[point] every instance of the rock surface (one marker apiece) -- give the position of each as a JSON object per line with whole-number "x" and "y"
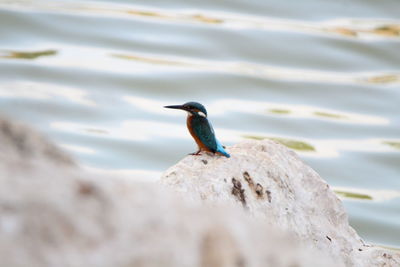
{"x": 20, "y": 145}
{"x": 271, "y": 183}
{"x": 54, "y": 214}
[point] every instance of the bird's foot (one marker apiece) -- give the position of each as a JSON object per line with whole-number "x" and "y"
{"x": 195, "y": 153}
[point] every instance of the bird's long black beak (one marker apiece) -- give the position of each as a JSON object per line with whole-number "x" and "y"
{"x": 176, "y": 107}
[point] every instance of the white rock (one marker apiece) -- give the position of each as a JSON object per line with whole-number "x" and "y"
{"x": 273, "y": 184}
{"x": 54, "y": 214}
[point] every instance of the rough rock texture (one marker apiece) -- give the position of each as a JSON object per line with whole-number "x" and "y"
{"x": 54, "y": 214}
{"x": 273, "y": 184}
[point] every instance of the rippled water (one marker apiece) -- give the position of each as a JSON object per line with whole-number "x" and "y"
{"x": 322, "y": 78}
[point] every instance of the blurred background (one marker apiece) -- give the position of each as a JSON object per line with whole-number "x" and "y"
{"x": 321, "y": 77}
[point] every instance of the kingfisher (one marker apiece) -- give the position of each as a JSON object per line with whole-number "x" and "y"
{"x": 200, "y": 128}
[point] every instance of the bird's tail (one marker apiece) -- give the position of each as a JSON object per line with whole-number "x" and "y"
{"x": 221, "y": 150}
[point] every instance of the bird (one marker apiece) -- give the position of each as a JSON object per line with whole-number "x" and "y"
{"x": 200, "y": 128}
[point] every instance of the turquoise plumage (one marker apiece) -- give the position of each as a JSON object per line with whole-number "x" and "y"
{"x": 204, "y": 131}
{"x": 221, "y": 150}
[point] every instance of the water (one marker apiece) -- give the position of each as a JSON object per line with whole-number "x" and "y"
{"x": 321, "y": 77}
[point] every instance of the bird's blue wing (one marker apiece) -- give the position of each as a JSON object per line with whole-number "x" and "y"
{"x": 204, "y": 131}
{"x": 221, "y": 150}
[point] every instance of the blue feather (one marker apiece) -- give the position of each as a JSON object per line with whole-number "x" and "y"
{"x": 204, "y": 131}
{"x": 221, "y": 150}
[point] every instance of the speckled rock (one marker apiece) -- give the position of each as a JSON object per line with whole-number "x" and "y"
{"x": 55, "y": 214}
{"x": 271, "y": 183}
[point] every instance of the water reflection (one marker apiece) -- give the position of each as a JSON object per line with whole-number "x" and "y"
{"x": 226, "y": 106}
{"x": 26, "y": 54}
{"x": 148, "y": 105}
{"x": 348, "y": 28}
{"x": 142, "y": 130}
{"x": 156, "y": 60}
{"x": 365, "y": 29}
{"x": 329, "y": 115}
{"x": 135, "y": 130}
{"x": 263, "y": 71}
{"x": 352, "y": 195}
{"x": 290, "y": 143}
{"x": 388, "y": 30}
{"x": 37, "y": 90}
{"x": 393, "y": 144}
{"x": 325, "y": 147}
{"x": 100, "y": 59}
{"x": 383, "y": 79}
{"x": 279, "y": 111}
{"x": 78, "y": 149}
{"x": 366, "y": 194}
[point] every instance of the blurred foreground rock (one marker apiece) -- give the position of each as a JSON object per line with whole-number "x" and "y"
{"x": 54, "y": 214}
{"x": 272, "y": 184}
{"x": 19, "y": 145}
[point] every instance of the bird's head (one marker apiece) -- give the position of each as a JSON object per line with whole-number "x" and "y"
{"x": 193, "y": 108}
